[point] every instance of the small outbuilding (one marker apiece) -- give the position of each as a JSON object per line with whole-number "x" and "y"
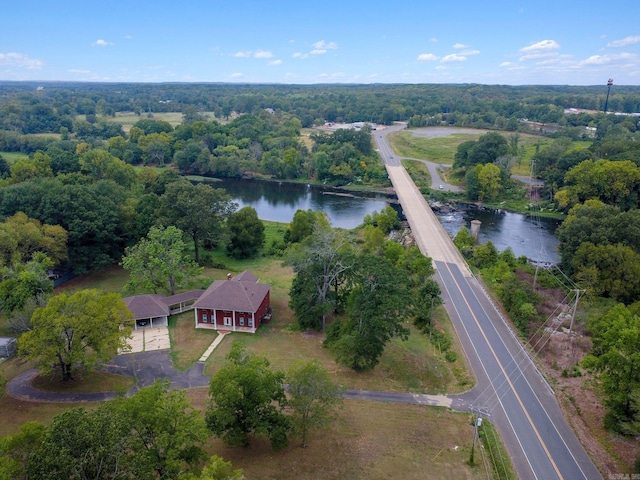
{"x": 8, "y": 347}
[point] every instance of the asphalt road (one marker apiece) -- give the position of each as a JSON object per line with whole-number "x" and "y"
{"x": 509, "y": 387}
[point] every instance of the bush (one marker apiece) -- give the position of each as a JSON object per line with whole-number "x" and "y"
{"x": 451, "y": 356}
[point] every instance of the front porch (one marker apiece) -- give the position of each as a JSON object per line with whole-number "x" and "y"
{"x": 226, "y": 329}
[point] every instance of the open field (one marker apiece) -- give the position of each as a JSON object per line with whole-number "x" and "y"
{"x": 418, "y": 143}
{"x": 369, "y": 440}
{"x": 12, "y": 157}
{"x": 128, "y": 119}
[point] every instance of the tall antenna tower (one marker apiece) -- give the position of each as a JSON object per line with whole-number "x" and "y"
{"x": 609, "y": 85}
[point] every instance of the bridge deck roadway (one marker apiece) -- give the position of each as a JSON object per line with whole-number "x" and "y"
{"x": 509, "y": 387}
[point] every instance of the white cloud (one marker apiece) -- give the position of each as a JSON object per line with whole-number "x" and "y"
{"x": 466, "y": 53}
{"x": 262, "y": 54}
{"x": 299, "y": 55}
{"x": 427, "y": 57}
{"x": 322, "y": 45}
{"x": 458, "y": 46}
{"x": 236, "y": 75}
{"x": 606, "y": 59}
{"x": 101, "y": 43}
{"x": 542, "y": 46}
{"x": 81, "y": 72}
{"x": 275, "y": 62}
{"x": 433, "y": 40}
{"x": 318, "y": 51}
{"x": 245, "y": 54}
{"x": 20, "y": 60}
{"x": 625, "y": 42}
{"x": 453, "y": 57}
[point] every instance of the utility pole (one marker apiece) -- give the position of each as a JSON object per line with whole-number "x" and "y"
{"x": 575, "y": 307}
{"x": 477, "y": 422}
{"x": 606, "y": 103}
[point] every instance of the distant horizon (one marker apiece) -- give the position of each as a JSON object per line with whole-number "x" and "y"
{"x": 526, "y": 42}
{"x": 346, "y": 84}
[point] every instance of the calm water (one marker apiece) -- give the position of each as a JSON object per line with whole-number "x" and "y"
{"x": 279, "y": 201}
{"x": 532, "y": 238}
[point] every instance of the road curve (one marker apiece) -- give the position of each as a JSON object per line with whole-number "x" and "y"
{"x": 510, "y": 388}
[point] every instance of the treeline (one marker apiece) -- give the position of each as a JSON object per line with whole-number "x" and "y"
{"x": 265, "y": 144}
{"x": 46, "y": 107}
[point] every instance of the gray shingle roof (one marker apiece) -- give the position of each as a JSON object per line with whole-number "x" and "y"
{"x": 147, "y": 306}
{"x": 234, "y": 295}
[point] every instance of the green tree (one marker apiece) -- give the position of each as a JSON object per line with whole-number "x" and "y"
{"x": 26, "y": 168}
{"x": 198, "y": 210}
{"x": 613, "y": 182}
{"x": 617, "y": 269}
{"x": 168, "y": 433}
{"x": 302, "y": 225}
{"x": 490, "y": 179}
{"x": 247, "y": 397}
{"x": 158, "y": 261}
{"x": 85, "y": 444}
{"x": 376, "y": 313}
{"x": 386, "y": 220}
{"x": 615, "y": 355}
{"x": 312, "y": 398}
{"x": 156, "y": 148}
{"x": 216, "y": 469}
{"x": 16, "y": 449}
{"x": 21, "y": 283}
{"x": 320, "y": 261}
{"x": 96, "y": 162}
{"x": 21, "y": 237}
{"x": 246, "y": 233}
{"x": 76, "y": 330}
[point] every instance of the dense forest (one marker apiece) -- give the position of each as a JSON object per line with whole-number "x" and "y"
{"x": 46, "y": 107}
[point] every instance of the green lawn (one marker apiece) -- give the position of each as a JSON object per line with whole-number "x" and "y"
{"x": 128, "y": 119}
{"x": 438, "y": 150}
{"x": 12, "y": 157}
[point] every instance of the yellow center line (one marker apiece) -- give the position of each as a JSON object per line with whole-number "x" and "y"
{"x": 544, "y": 446}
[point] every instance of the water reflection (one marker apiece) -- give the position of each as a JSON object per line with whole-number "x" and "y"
{"x": 279, "y": 201}
{"x": 533, "y": 238}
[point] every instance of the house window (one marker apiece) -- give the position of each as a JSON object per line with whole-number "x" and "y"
{"x": 227, "y": 321}
{"x": 241, "y": 321}
{"x": 251, "y": 322}
{"x": 205, "y": 318}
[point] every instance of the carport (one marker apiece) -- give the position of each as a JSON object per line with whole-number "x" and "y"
{"x": 148, "y": 310}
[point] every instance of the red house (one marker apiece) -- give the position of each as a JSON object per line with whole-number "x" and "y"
{"x": 238, "y": 304}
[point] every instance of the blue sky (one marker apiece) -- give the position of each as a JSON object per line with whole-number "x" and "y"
{"x": 349, "y": 41}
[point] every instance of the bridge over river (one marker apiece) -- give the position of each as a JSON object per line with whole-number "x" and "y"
{"x": 509, "y": 386}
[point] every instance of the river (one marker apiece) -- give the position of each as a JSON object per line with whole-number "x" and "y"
{"x": 278, "y": 201}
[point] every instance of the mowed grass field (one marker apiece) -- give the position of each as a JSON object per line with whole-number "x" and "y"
{"x": 128, "y": 119}
{"x": 368, "y": 440}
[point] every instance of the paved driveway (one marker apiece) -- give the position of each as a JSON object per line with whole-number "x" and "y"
{"x": 149, "y": 339}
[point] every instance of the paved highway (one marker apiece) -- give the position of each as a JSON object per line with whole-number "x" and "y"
{"x": 509, "y": 387}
